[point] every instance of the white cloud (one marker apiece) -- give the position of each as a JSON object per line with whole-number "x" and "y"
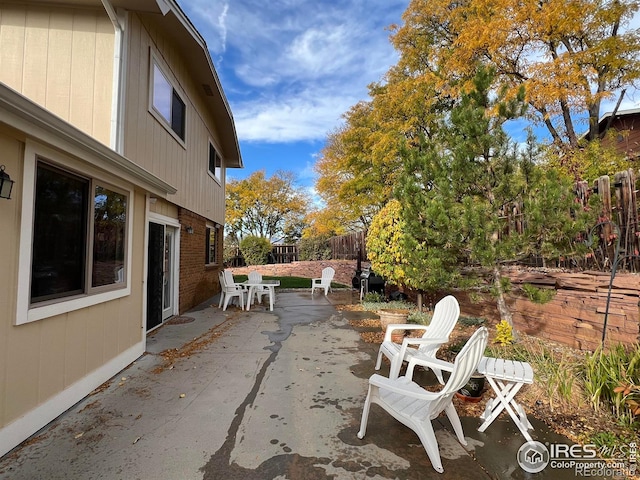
{"x": 288, "y": 120}
{"x": 223, "y": 27}
{"x": 291, "y": 68}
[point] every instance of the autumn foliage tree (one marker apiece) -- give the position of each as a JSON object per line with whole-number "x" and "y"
{"x": 265, "y": 207}
{"x": 569, "y": 55}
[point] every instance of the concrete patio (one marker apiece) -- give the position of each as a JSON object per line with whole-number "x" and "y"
{"x": 256, "y": 395}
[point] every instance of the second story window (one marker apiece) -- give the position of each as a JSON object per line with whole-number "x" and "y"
{"x": 215, "y": 163}
{"x": 168, "y": 103}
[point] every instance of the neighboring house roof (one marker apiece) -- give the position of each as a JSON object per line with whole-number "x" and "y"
{"x": 170, "y": 18}
{"x": 20, "y": 113}
{"x": 627, "y": 121}
{"x": 604, "y": 119}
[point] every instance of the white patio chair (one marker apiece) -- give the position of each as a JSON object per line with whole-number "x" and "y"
{"x": 221, "y": 280}
{"x": 258, "y": 291}
{"x": 445, "y": 316}
{"x": 325, "y": 281}
{"x": 415, "y": 407}
{"x": 231, "y": 289}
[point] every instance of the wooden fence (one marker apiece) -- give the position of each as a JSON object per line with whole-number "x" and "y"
{"x": 348, "y": 247}
{"x": 279, "y": 254}
{"x": 618, "y": 222}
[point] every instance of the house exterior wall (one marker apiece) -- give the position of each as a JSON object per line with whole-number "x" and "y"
{"x": 62, "y": 59}
{"x": 42, "y": 361}
{"x": 148, "y": 141}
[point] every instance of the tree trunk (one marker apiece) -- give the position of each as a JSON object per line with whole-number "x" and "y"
{"x": 503, "y": 309}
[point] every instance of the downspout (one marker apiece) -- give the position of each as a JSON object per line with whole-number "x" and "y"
{"x": 116, "y": 141}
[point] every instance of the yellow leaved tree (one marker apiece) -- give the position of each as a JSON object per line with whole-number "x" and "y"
{"x": 265, "y": 207}
{"x": 569, "y": 55}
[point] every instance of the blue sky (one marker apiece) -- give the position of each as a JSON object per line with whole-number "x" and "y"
{"x": 291, "y": 68}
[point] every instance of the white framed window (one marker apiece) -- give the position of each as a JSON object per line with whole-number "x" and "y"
{"x": 215, "y": 163}
{"x": 213, "y": 242}
{"x": 77, "y": 237}
{"x": 167, "y": 103}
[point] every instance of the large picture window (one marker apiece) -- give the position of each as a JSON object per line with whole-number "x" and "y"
{"x": 168, "y": 103}
{"x": 71, "y": 245}
{"x": 59, "y": 234}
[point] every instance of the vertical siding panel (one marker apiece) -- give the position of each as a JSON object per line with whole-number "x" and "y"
{"x": 83, "y": 60}
{"x": 75, "y": 347}
{"x": 58, "y": 76}
{"x": 95, "y": 330}
{"x": 35, "y": 56}
{"x": 50, "y": 359}
{"x": 133, "y": 115}
{"x": 22, "y": 370}
{"x": 103, "y": 81}
{"x": 12, "y": 38}
{"x": 12, "y": 156}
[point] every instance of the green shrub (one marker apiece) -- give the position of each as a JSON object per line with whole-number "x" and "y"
{"x": 314, "y": 248}
{"x": 255, "y": 250}
{"x": 471, "y": 321}
{"x": 610, "y": 377}
{"x": 229, "y": 253}
{"x": 373, "y": 297}
{"x": 538, "y": 295}
{"x": 420, "y": 318}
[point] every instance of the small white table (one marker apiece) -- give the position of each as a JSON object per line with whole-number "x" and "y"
{"x": 506, "y": 377}
{"x": 269, "y": 284}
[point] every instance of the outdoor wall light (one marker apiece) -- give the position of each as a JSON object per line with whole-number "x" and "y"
{"x": 6, "y": 184}
{"x": 189, "y": 229}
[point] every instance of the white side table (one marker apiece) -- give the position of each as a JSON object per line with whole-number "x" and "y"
{"x": 506, "y": 377}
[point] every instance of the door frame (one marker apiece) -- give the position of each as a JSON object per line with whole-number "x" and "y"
{"x": 171, "y": 310}
{"x": 173, "y": 223}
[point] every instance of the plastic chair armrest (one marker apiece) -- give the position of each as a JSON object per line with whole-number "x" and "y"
{"x": 403, "y": 386}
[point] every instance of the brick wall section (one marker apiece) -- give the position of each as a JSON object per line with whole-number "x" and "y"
{"x": 198, "y": 282}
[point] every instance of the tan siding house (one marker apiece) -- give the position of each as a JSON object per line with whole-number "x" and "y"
{"x": 117, "y": 133}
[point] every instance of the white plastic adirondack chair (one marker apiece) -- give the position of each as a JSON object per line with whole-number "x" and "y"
{"x": 415, "y": 407}
{"x": 325, "y": 281}
{"x": 445, "y": 316}
{"x": 221, "y": 280}
{"x": 231, "y": 289}
{"x": 258, "y": 291}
